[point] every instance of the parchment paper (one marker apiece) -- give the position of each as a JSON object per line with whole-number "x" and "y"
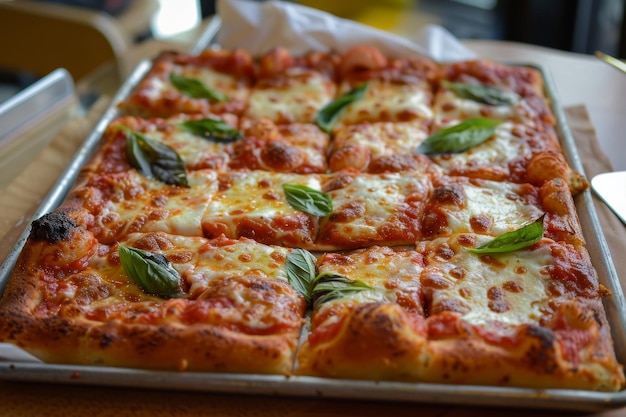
{"x": 259, "y": 26}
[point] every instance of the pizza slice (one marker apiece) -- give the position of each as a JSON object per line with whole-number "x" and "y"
{"x": 501, "y": 151}
{"x": 152, "y": 300}
{"x": 201, "y": 141}
{"x": 214, "y": 81}
{"x": 373, "y": 209}
{"x": 530, "y": 317}
{"x": 370, "y": 325}
{"x": 460, "y": 205}
{"x": 256, "y": 205}
{"x": 527, "y": 317}
{"x": 381, "y": 89}
{"x": 291, "y": 89}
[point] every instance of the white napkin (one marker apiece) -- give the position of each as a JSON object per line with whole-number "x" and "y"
{"x": 259, "y": 26}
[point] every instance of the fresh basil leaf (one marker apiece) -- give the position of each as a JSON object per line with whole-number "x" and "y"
{"x": 460, "y": 137}
{"x": 308, "y": 200}
{"x": 330, "y": 286}
{"x": 212, "y": 129}
{"x": 151, "y": 271}
{"x": 482, "y": 93}
{"x": 518, "y": 239}
{"x": 155, "y": 160}
{"x": 329, "y": 114}
{"x": 195, "y": 88}
{"x": 300, "y": 266}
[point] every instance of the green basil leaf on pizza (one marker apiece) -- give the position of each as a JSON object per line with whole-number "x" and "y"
{"x": 212, "y": 129}
{"x": 458, "y": 138}
{"x": 195, "y": 88}
{"x": 155, "y": 160}
{"x": 308, "y": 200}
{"x": 300, "y": 265}
{"x": 330, "y": 114}
{"x": 152, "y": 272}
{"x": 481, "y": 93}
{"x": 517, "y": 239}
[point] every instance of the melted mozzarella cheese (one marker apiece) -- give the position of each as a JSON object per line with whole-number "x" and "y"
{"x": 224, "y": 83}
{"x": 388, "y": 102}
{"x": 257, "y": 194}
{"x": 494, "y": 201}
{"x": 299, "y": 101}
{"x": 142, "y": 204}
{"x": 192, "y": 149}
{"x": 386, "y": 270}
{"x": 186, "y": 209}
{"x": 518, "y": 276}
{"x": 383, "y": 139}
{"x": 238, "y": 259}
{"x": 156, "y": 88}
{"x": 381, "y": 196}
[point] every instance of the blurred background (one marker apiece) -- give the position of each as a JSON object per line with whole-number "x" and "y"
{"x": 81, "y": 35}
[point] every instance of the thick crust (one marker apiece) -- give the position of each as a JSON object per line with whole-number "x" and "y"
{"x": 165, "y": 347}
{"x": 382, "y": 342}
{"x": 369, "y": 341}
{"x": 532, "y": 356}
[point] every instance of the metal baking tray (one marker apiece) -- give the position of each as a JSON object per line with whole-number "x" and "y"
{"x": 18, "y": 366}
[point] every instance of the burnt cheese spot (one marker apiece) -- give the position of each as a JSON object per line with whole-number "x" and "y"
{"x": 458, "y": 273}
{"x": 513, "y": 286}
{"x": 449, "y": 194}
{"x": 445, "y": 252}
{"x": 450, "y": 304}
{"x": 52, "y": 227}
{"x": 481, "y": 223}
{"x": 434, "y": 221}
{"x": 497, "y": 301}
{"x": 348, "y": 212}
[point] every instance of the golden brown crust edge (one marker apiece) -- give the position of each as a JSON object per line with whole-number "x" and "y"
{"x": 164, "y": 347}
{"x": 359, "y": 351}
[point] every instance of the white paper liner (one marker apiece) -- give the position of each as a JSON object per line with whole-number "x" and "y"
{"x": 260, "y": 26}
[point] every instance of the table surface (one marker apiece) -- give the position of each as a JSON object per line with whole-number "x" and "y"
{"x": 579, "y": 79}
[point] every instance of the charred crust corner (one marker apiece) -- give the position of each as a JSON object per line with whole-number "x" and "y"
{"x": 546, "y": 337}
{"x": 52, "y": 227}
{"x": 541, "y": 356}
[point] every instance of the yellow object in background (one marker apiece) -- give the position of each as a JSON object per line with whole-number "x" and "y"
{"x": 381, "y": 14}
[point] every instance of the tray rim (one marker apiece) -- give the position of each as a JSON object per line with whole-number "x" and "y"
{"x": 554, "y": 399}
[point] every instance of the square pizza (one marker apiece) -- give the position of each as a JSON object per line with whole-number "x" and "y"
{"x": 346, "y": 215}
